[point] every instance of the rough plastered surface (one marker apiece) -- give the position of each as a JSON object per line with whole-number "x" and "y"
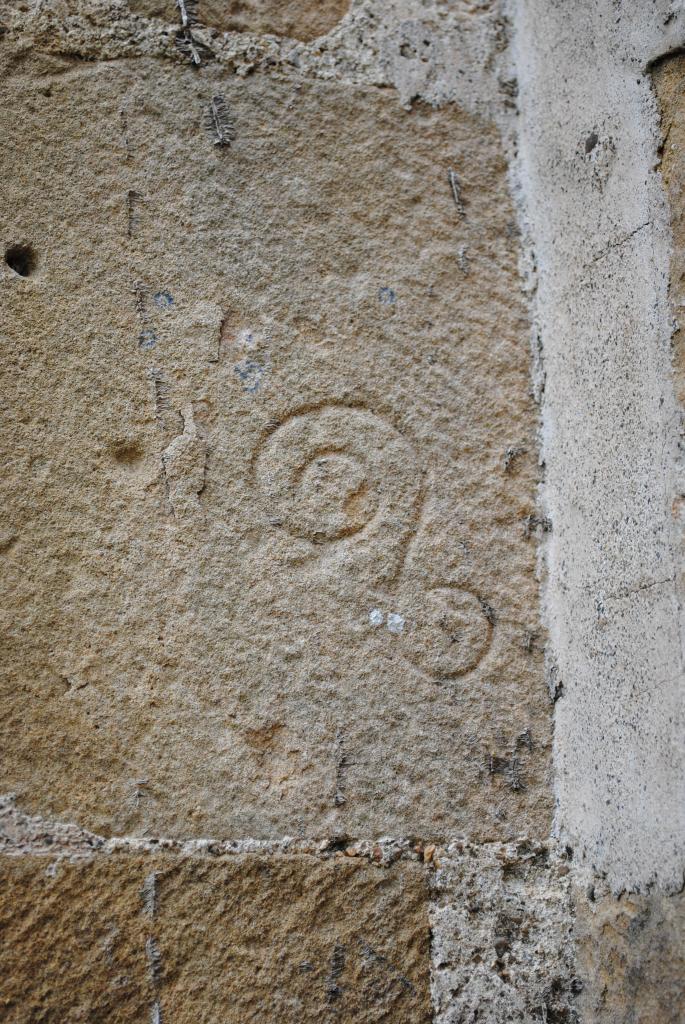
{"x": 600, "y": 227}
{"x": 502, "y": 936}
{"x": 270, "y": 459}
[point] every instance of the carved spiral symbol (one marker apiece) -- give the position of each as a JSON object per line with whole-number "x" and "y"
{"x": 447, "y": 632}
{"x": 338, "y": 472}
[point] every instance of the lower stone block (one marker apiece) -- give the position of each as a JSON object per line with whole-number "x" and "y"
{"x": 72, "y": 942}
{"x": 168, "y": 938}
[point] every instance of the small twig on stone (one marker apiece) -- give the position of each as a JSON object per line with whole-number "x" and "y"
{"x": 512, "y": 453}
{"x": 218, "y": 122}
{"x": 188, "y": 12}
{"x": 186, "y": 44}
{"x": 455, "y": 185}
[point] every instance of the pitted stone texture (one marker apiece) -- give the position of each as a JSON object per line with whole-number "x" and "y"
{"x": 502, "y": 936}
{"x": 299, "y": 19}
{"x": 279, "y": 940}
{"x": 73, "y": 942}
{"x": 631, "y": 958}
{"x": 255, "y": 394}
{"x": 300, "y": 940}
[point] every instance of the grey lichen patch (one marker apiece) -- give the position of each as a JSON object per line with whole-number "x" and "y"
{"x": 501, "y": 919}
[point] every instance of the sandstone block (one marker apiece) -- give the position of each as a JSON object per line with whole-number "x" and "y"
{"x": 279, "y": 940}
{"x": 270, "y": 460}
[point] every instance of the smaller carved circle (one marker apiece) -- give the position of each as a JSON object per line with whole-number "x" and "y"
{"x": 446, "y": 633}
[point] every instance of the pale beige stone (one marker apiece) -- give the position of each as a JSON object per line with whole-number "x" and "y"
{"x": 270, "y": 461}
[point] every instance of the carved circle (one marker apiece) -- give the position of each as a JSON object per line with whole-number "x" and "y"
{"x": 337, "y": 472}
{"x": 446, "y": 631}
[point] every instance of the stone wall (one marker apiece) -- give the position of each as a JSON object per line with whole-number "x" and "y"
{"x": 342, "y": 546}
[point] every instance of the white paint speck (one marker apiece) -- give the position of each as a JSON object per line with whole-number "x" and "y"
{"x": 248, "y": 338}
{"x": 395, "y": 622}
{"x": 376, "y": 617}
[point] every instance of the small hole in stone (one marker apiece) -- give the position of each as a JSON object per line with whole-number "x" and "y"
{"x": 20, "y": 259}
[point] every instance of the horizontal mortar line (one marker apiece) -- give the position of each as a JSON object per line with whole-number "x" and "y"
{"x": 260, "y": 49}
{"x": 35, "y": 837}
{"x": 56, "y": 843}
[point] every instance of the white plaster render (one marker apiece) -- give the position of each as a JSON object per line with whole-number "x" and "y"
{"x": 599, "y": 229}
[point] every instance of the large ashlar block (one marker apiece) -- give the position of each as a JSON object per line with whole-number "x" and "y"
{"x": 269, "y": 459}
{"x": 279, "y": 940}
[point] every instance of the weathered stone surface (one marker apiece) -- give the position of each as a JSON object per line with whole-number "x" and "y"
{"x": 268, "y": 939}
{"x": 503, "y": 936}
{"x": 270, "y": 460}
{"x": 73, "y": 942}
{"x": 301, "y": 19}
{"x": 631, "y": 956}
{"x": 307, "y": 941}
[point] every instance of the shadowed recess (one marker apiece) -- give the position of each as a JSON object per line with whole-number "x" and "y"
{"x": 21, "y": 259}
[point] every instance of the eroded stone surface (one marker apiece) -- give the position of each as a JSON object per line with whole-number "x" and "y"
{"x": 280, "y": 939}
{"x": 631, "y": 956}
{"x": 295, "y": 18}
{"x": 270, "y": 461}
